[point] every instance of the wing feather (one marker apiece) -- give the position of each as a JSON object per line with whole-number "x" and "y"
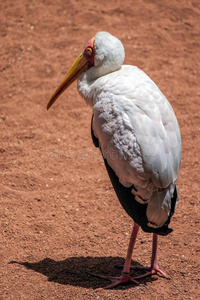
{"x": 139, "y": 136}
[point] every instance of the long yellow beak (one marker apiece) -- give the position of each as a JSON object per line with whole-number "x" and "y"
{"x": 79, "y": 66}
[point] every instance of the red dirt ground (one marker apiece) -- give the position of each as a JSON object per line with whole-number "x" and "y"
{"x": 59, "y": 215}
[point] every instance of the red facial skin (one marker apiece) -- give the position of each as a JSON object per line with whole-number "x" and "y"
{"x": 89, "y": 53}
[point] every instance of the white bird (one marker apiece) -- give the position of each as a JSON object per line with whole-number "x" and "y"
{"x": 137, "y": 132}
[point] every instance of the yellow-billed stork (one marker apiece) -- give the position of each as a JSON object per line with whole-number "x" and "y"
{"x": 137, "y": 132}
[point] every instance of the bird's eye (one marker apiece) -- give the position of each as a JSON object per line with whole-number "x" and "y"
{"x": 89, "y": 51}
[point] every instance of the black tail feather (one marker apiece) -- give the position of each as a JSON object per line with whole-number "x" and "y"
{"x": 134, "y": 209}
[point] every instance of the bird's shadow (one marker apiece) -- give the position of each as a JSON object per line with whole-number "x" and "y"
{"x": 76, "y": 270}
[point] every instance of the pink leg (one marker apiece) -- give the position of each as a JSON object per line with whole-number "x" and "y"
{"x": 125, "y": 276}
{"x": 153, "y": 269}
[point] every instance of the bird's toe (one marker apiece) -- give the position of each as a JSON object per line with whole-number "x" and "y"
{"x": 117, "y": 281}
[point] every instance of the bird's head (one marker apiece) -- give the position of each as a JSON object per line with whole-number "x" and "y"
{"x": 103, "y": 54}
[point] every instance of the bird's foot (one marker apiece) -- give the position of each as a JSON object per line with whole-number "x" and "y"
{"x": 116, "y": 281}
{"x": 148, "y": 271}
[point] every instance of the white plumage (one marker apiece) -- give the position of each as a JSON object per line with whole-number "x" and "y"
{"x": 136, "y": 126}
{"x": 137, "y": 131}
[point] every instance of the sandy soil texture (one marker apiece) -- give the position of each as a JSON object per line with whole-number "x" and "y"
{"x": 59, "y": 215}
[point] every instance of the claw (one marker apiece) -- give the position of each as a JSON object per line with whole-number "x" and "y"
{"x": 116, "y": 281}
{"x": 148, "y": 271}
